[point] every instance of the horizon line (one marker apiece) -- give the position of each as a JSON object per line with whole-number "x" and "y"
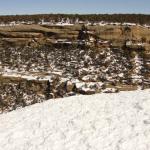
{"x": 22, "y": 14}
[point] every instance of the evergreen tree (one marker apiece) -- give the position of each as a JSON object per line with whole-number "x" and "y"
{"x": 83, "y": 34}
{"x": 48, "y": 89}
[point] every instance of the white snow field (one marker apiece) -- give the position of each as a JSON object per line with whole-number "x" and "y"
{"x": 119, "y": 121}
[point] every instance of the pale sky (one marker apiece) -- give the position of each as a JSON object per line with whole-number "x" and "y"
{"x": 9, "y": 7}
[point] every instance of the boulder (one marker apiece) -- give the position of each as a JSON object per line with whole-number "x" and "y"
{"x": 89, "y": 78}
{"x": 69, "y": 86}
{"x": 79, "y": 86}
{"x": 110, "y": 90}
{"x": 87, "y": 91}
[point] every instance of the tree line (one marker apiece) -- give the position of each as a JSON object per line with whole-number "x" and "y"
{"x": 132, "y": 18}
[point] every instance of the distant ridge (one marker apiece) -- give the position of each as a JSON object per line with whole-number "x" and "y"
{"x": 133, "y": 18}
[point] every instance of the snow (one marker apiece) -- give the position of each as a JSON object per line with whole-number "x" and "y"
{"x": 109, "y": 90}
{"x": 64, "y": 24}
{"x": 98, "y": 122}
{"x": 27, "y": 76}
{"x": 137, "y": 75}
{"x": 30, "y": 76}
{"x": 80, "y": 85}
{"x": 128, "y": 24}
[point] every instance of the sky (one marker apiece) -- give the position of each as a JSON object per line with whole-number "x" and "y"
{"x": 13, "y": 7}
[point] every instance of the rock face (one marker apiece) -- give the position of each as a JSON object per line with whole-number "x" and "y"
{"x": 35, "y": 35}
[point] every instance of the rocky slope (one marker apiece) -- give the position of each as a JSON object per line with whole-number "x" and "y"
{"x": 40, "y": 69}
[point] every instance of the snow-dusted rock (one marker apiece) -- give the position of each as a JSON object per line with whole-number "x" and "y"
{"x": 87, "y": 91}
{"x": 110, "y": 90}
{"x": 69, "y": 86}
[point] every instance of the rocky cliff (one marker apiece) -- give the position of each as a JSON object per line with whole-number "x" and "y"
{"x": 38, "y": 69}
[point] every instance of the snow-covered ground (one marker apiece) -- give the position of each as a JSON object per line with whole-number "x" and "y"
{"x": 119, "y": 121}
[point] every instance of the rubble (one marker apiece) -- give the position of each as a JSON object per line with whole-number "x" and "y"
{"x": 48, "y": 72}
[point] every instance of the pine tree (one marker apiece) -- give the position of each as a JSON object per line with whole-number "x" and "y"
{"x": 48, "y": 89}
{"x": 83, "y": 34}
